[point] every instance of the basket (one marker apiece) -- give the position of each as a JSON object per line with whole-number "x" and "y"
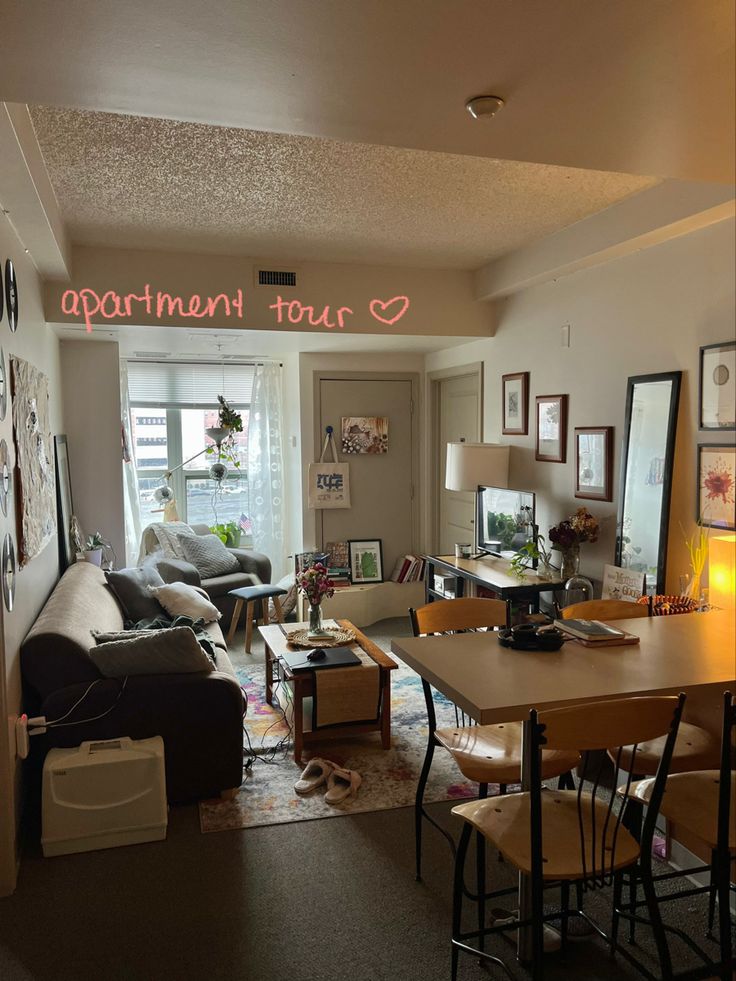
{"x": 665, "y": 606}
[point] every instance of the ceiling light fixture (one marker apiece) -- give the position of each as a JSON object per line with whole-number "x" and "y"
{"x": 484, "y": 105}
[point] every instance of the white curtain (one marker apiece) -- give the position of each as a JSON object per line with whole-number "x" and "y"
{"x": 131, "y": 501}
{"x": 266, "y": 467}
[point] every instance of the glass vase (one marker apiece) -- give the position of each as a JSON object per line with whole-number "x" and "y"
{"x": 315, "y": 619}
{"x": 570, "y": 562}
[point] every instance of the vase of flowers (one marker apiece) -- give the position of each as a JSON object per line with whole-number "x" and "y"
{"x": 567, "y": 537}
{"x": 315, "y": 583}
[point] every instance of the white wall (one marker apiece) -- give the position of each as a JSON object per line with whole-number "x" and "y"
{"x": 36, "y": 343}
{"x": 91, "y": 394}
{"x": 647, "y": 312}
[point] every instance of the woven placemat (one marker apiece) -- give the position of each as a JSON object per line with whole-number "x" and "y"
{"x": 336, "y": 637}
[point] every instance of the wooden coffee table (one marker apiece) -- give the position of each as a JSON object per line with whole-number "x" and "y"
{"x": 276, "y": 645}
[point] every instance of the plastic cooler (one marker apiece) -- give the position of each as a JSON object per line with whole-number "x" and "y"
{"x": 103, "y": 794}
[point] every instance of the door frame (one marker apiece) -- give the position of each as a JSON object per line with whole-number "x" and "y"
{"x": 434, "y": 379}
{"x": 338, "y": 375}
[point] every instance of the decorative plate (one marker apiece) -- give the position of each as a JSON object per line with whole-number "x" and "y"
{"x": 8, "y": 572}
{"x": 3, "y": 381}
{"x": 11, "y": 295}
{"x": 336, "y": 637}
{"x": 4, "y": 476}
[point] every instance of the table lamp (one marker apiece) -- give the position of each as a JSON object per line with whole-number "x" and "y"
{"x": 470, "y": 465}
{"x": 722, "y": 571}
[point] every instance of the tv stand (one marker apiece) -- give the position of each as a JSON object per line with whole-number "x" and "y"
{"x": 489, "y": 573}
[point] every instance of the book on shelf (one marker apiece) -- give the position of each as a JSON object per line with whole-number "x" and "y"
{"x": 408, "y": 568}
{"x": 590, "y": 630}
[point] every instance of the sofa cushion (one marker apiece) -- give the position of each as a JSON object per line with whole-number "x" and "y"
{"x": 55, "y": 653}
{"x": 208, "y": 555}
{"x": 130, "y": 587}
{"x": 174, "y": 651}
{"x": 180, "y": 599}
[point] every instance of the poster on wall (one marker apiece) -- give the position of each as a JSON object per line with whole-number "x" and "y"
{"x": 35, "y": 482}
{"x": 364, "y": 434}
{"x": 717, "y": 486}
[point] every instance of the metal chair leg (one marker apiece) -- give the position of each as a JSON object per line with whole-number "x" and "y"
{"x": 618, "y": 889}
{"x": 712, "y": 893}
{"x": 724, "y": 915}
{"x": 632, "y": 906}
{"x": 457, "y": 894}
{"x": 481, "y": 874}
{"x": 419, "y": 802}
{"x": 565, "y": 908}
{"x": 660, "y": 938}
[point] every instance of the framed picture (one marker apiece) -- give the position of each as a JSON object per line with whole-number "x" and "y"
{"x": 64, "y": 506}
{"x": 551, "y": 445}
{"x": 594, "y": 462}
{"x": 366, "y": 561}
{"x": 515, "y": 404}
{"x": 364, "y": 434}
{"x": 716, "y": 486}
{"x": 718, "y": 386}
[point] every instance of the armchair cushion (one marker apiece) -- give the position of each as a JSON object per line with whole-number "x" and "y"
{"x": 177, "y": 570}
{"x": 209, "y": 556}
{"x": 130, "y": 587}
{"x": 136, "y": 652}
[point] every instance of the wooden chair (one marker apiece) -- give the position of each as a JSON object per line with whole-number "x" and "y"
{"x": 608, "y": 609}
{"x": 695, "y": 749}
{"x": 561, "y": 837}
{"x": 484, "y": 754}
{"x": 704, "y": 804}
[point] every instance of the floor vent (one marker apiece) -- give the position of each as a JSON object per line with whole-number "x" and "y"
{"x": 276, "y": 277}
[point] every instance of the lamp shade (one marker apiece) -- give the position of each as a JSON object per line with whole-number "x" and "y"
{"x": 471, "y": 464}
{"x": 722, "y": 571}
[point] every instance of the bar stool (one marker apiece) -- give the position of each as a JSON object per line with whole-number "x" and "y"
{"x": 248, "y": 596}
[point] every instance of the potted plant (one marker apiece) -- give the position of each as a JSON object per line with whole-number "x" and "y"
{"x": 93, "y": 548}
{"x": 568, "y": 535}
{"x": 229, "y": 534}
{"x": 230, "y": 422}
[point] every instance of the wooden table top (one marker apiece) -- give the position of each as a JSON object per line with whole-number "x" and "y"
{"x": 496, "y": 573}
{"x": 497, "y": 684}
{"x": 276, "y": 640}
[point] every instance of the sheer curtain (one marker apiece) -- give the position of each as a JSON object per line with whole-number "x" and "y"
{"x": 131, "y": 501}
{"x": 266, "y": 467}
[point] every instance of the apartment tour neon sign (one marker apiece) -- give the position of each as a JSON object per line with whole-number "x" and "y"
{"x": 88, "y": 304}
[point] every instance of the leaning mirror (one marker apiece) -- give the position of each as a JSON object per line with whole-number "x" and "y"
{"x": 646, "y": 475}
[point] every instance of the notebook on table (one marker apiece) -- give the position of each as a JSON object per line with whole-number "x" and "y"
{"x": 335, "y": 657}
{"x": 595, "y": 633}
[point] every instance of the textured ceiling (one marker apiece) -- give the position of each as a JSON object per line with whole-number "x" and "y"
{"x": 151, "y": 183}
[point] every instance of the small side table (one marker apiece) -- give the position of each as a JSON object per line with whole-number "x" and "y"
{"x": 248, "y": 596}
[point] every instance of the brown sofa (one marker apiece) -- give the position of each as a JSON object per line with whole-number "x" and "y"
{"x": 199, "y": 716}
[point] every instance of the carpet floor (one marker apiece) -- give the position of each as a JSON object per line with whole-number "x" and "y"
{"x": 389, "y": 777}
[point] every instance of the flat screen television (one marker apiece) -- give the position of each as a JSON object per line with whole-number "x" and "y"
{"x": 505, "y": 521}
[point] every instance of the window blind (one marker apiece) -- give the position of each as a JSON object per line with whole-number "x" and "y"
{"x": 169, "y": 385}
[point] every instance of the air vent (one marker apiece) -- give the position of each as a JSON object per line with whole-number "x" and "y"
{"x": 276, "y": 277}
{"x": 150, "y": 355}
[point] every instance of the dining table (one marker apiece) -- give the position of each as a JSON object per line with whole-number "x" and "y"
{"x": 693, "y": 653}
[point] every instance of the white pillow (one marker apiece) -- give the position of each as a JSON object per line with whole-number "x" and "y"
{"x": 181, "y": 599}
{"x": 168, "y": 534}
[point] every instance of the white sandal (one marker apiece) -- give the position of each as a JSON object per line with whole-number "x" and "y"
{"x": 342, "y": 784}
{"x": 314, "y": 775}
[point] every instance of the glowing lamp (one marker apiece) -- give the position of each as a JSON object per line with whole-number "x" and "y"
{"x": 722, "y": 571}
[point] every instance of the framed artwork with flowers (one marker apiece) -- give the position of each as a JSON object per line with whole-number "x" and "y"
{"x": 717, "y": 486}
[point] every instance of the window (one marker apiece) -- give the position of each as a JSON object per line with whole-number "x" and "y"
{"x": 172, "y": 406}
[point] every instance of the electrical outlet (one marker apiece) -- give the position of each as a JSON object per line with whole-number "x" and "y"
{"x": 565, "y": 335}
{"x": 21, "y": 737}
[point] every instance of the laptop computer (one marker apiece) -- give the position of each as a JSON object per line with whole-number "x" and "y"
{"x": 335, "y": 657}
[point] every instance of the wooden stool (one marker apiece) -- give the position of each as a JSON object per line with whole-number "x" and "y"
{"x": 248, "y": 596}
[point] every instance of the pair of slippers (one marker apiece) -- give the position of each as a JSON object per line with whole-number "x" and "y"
{"x": 341, "y": 783}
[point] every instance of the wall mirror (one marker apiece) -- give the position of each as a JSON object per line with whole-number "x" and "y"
{"x": 646, "y": 475}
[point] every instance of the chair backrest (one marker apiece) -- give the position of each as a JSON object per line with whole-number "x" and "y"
{"x": 465, "y": 613}
{"x": 604, "y": 610}
{"x": 619, "y": 723}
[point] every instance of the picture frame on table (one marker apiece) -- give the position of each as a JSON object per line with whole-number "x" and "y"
{"x": 515, "y": 394}
{"x": 551, "y": 439}
{"x": 366, "y": 560}
{"x": 716, "y": 490}
{"x": 594, "y": 463}
{"x": 717, "y": 386}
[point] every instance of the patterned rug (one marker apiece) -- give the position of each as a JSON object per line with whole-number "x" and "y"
{"x": 389, "y": 776}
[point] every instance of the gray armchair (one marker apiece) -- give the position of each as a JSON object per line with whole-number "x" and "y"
{"x": 255, "y": 568}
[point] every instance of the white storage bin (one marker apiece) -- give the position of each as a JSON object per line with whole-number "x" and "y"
{"x": 103, "y": 794}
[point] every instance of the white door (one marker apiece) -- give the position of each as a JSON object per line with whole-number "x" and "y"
{"x": 459, "y": 403}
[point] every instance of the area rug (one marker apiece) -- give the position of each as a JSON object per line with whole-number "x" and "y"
{"x": 389, "y": 776}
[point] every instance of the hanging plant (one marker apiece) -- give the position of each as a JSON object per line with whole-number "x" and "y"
{"x": 228, "y": 417}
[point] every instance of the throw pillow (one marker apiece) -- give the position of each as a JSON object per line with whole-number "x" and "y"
{"x": 209, "y": 556}
{"x": 174, "y": 651}
{"x": 168, "y": 534}
{"x": 130, "y": 588}
{"x": 181, "y": 599}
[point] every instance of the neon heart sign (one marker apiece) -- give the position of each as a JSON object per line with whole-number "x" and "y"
{"x": 375, "y": 305}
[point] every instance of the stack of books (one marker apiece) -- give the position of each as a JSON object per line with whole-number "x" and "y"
{"x": 409, "y": 568}
{"x": 595, "y": 633}
{"x": 338, "y": 563}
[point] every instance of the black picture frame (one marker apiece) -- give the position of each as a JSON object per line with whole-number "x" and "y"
{"x": 64, "y": 502}
{"x": 706, "y": 387}
{"x": 365, "y": 544}
{"x": 728, "y": 449}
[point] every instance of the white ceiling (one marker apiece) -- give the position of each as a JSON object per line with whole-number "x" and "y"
{"x": 636, "y": 86}
{"x": 158, "y": 184}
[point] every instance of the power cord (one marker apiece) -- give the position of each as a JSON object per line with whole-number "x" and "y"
{"x": 39, "y": 725}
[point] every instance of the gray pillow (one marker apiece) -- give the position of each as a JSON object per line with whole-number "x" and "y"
{"x": 130, "y": 587}
{"x": 208, "y": 555}
{"x": 173, "y": 651}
